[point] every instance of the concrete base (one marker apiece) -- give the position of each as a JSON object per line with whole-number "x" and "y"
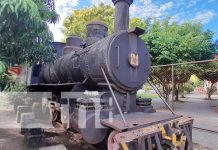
{"x": 20, "y": 110}
{"x": 57, "y": 147}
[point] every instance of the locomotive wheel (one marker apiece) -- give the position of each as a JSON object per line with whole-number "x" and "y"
{"x": 90, "y": 133}
{"x": 111, "y": 143}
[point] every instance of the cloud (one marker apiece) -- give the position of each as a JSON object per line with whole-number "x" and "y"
{"x": 96, "y": 2}
{"x": 192, "y": 3}
{"x": 63, "y": 8}
{"x": 149, "y": 9}
{"x": 204, "y": 16}
{"x": 142, "y": 8}
{"x": 60, "y": 3}
{"x": 179, "y": 18}
{"x": 179, "y": 10}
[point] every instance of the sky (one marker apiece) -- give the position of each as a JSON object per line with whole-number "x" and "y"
{"x": 204, "y": 11}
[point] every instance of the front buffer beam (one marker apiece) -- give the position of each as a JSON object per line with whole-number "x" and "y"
{"x": 162, "y": 136}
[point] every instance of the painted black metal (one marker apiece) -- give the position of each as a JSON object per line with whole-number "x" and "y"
{"x": 121, "y": 14}
{"x": 88, "y": 107}
{"x": 125, "y": 59}
{"x": 75, "y": 66}
{"x": 74, "y": 41}
{"x": 157, "y": 140}
{"x": 119, "y": 66}
{"x": 96, "y": 30}
{"x": 58, "y": 46}
{"x": 73, "y": 44}
{"x": 109, "y": 52}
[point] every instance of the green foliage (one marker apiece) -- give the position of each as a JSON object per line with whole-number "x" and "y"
{"x": 147, "y": 88}
{"x": 18, "y": 98}
{"x": 216, "y": 46}
{"x": 75, "y": 24}
{"x": 2, "y": 68}
{"x": 173, "y": 43}
{"x": 46, "y": 10}
{"x": 139, "y": 22}
{"x": 146, "y": 96}
{"x": 207, "y": 72}
{"x": 2, "y": 78}
{"x": 188, "y": 88}
{"x": 24, "y": 33}
{"x": 15, "y": 87}
{"x": 3, "y": 82}
{"x": 168, "y": 42}
{"x": 198, "y": 84}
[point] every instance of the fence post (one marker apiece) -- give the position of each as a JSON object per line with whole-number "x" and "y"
{"x": 172, "y": 95}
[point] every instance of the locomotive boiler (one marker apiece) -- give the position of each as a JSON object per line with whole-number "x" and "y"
{"x": 116, "y": 66}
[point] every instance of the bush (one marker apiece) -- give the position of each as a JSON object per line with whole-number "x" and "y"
{"x": 17, "y": 95}
{"x": 188, "y": 88}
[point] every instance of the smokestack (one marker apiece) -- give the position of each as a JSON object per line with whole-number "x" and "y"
{"x": 121, "y": 21}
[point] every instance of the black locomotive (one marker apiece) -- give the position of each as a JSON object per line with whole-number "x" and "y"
{"x": 116, "y": 66}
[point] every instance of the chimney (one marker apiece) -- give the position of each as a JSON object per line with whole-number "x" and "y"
{"x": 96, "y": 30}
{"x": 121, "y": 21}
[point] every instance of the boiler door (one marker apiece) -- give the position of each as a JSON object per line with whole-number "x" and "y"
{"x": 128, "y": 61}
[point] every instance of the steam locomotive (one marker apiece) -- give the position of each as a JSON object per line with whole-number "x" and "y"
{"x": 116, "y": 66}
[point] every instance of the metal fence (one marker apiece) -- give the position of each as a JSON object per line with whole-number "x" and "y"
{"x": 172, "y": 81}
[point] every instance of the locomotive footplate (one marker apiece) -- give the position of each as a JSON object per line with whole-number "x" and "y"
{"x": 138, "y": 120}
{"x": 159, "y": 131}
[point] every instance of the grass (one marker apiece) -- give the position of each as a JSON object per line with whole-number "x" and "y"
{"x": 144, "y": 95}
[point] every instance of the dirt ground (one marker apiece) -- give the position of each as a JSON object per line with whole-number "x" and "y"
{"x": 11, "y": 139}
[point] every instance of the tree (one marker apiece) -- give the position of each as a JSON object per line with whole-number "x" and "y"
{"x": 169, "y": 42}
{"x": 2, "y": 70}
{"x": 75, "y": 24}
{"x": 163, "y": 76}
{"x": 24, "y": 33}
{"x": 216, "y": 46}
{"x": 208, "y": 72}
{"x": 175, "y": 43}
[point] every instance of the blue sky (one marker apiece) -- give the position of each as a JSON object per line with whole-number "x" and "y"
{"x": 204, "y": 11}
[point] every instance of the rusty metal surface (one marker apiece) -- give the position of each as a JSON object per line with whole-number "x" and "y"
{"x": 149, "y": 131}
{"x": 136, "y": 134}
{"x": 138, "y": 120}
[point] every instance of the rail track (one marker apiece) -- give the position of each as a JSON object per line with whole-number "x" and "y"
{"x": 205, "y": 130}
